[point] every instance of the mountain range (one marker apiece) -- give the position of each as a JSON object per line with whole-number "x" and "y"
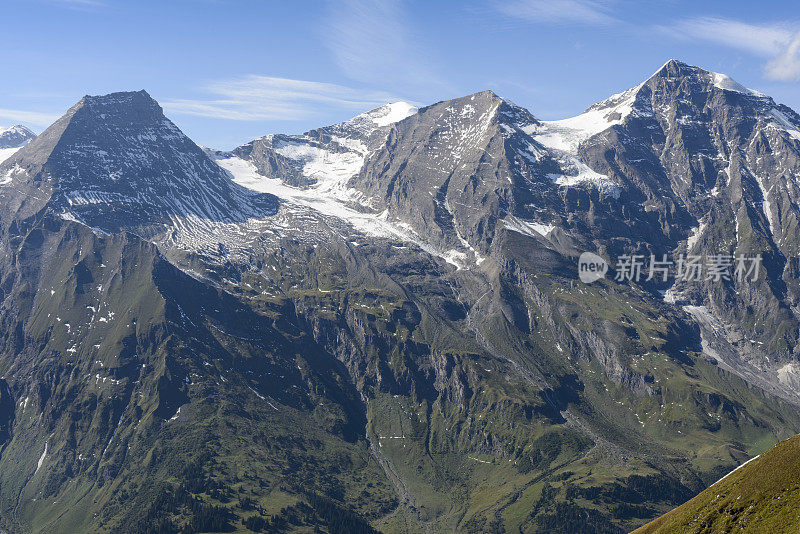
{"x": 379, "y": 325}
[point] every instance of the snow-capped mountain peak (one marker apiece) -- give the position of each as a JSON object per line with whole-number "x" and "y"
{"x": 14, "y": 137}
{"x": 17, "y": 129}
{"x": 678, "y": 69}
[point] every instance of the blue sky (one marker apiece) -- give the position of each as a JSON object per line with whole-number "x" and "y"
{"x": 227, "y": 71}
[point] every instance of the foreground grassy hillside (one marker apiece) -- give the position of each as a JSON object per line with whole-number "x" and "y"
{"x": 762, "y": 496}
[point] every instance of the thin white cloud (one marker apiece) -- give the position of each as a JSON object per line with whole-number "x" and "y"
{"x": 778, "y": 42}
{"x": 35, "y": 118}
{"x": 372, "y": 42}
{"x": 582, "y": 12}
{"x": 255, "y": 98}
{"x": 786, "y": 67}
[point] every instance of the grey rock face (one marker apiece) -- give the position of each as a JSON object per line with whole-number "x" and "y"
{"x": 706, "y": 157}
{"x": 115, "y": 162}
{"x": 456, "y": 168}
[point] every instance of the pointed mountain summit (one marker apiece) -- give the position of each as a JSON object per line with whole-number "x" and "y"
{"x": 15, "y": 136}
{"x": 674, "y": 83}
{"x": 479, "y": 164}
{"x": 673, "y": 80}
{"x": 683, "y": 122}
{"x": 705, "y": 166}
{"x": 12, "y": 139}
{"x": 116, "y": 162}
{"x": 675, "y": 70}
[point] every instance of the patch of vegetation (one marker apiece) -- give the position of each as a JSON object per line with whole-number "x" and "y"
{"x": 760, "y": 497}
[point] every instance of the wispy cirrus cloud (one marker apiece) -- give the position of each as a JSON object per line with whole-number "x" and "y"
{"x": 778, "y": 42}
{"x": 372, "y": 41}
{"x": 255, "y": 98}
{"x": 35, "y": 118}
{"x": 786, "y": 66}
{"x": 563, "y": 12}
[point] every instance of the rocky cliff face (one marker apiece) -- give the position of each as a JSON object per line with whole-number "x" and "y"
{"x": 116, "y": 163}
{"x": 714, "y": 166}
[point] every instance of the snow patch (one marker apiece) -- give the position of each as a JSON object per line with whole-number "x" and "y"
{"x": 328, "y": 196}
{"x": 257, "y": 394}
{"x": 69, "y": 216}
{"x": 391, "y": 113}
{"x": 694, "y": 236}
{"x": 726, "y": 83}
{"x": 580, "y": 173}
{"x": 41, "y": 459}
{"x": 332, "y": 197}
{"x": 330, "y": 169}
{"x": 532, "y": 229}
{"x": 6, "y": 153}
{"x": 176, "y": 414}
{"x": 670, "y": 296}
{"x": 792, "y": 129}
{"x": 565, "y": 136}
{"x": 766, "y": 207}
{"x": 6, "y": 177}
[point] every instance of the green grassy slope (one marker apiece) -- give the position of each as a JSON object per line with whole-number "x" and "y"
{"x": 313, "y": 392}
{"x": 523, "y": 427}
{"x": 762, "y": 496}
{"x": 137, "y": 399}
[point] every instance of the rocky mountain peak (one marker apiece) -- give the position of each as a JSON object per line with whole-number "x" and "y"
{"x": 676, "y": 80}
{"x": 120, "y": 103}
{"x": 674, "y": 70}
{"x": 15, "y": 136}
{"x": 475, "y": 115}
{"x": 120, "y": 115}
{"x": 116, "y": 162}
